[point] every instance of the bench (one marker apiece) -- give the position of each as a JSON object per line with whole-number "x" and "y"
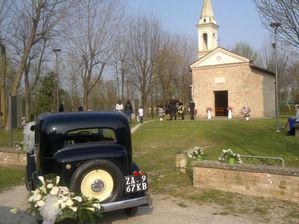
{"x": 296, "y": 126}
{"x": 219, "y": 111}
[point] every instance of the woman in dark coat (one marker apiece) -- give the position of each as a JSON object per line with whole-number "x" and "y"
{"x": 128, "y": 110}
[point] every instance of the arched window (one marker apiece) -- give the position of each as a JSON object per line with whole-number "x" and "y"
{"x": 205, "y": 41}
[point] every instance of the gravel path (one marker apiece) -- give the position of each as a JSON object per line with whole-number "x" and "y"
{"x": 164, "y": 210}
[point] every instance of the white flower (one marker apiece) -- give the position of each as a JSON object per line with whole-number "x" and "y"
{"x": 91, "y": 209}
{"x": 50, "y": 186}
{"x": 40, "y": 203}
{"x": 41, "y": 178}
{"x": 78, "y": 198}
{"x": 97, "y": 205}
{"x": 54, "y": 190}
{"x": 63, "y": 205}
{"x": 65, "y": 198}
{"x": 43, "y": 189}
{"x": 69, "y": 202}
{"x": 14, "y": 210}
{"x": 57, "y": 179}
{"x": 74, "y": 209}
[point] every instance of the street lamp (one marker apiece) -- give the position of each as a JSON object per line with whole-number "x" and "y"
{"x": 56, "y": 51}
{"x": 275, "y": 26}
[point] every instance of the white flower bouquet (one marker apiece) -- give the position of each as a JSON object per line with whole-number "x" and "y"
{"x": 228, "y": 156}
{"x": 245, "y": 111}
{"x": 51, "y": 202}
{"x": 195, "y": 153}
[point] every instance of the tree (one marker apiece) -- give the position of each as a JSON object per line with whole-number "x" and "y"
{"x": 46, "y": 94}
{"x": 34, "y": 21}
{"x": 245, "y": 50}
{"x": 91, "y": 28}
{"x": 4, "y": 9}
{"x": 146, "y": 38}
{"x": 285, "y": 12}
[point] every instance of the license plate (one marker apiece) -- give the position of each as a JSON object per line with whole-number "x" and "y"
{"x": 135, "y": 184}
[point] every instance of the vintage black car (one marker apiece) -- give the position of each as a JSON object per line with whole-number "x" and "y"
{"x": 92, "y": 154}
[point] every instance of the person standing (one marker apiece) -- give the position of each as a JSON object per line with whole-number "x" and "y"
{"x": 173, "y": 108}
{"x": 119, "y": 107}
{"x": 292, "y": 120}
{"x": 181, "y": 110}
{"x": 128, "y": 110}
{"x": 192, "y": 109}
{"x": 140, "y": 114}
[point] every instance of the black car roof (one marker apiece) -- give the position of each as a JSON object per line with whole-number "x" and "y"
{"x": 64, "y": 121}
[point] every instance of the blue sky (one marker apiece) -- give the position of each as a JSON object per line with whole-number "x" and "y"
{"x": 238, "y": 19}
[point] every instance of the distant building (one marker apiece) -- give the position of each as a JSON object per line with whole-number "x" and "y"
{"x": 222, "y": 79}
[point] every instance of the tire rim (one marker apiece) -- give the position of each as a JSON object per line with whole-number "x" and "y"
{"x": 97, "y": 184}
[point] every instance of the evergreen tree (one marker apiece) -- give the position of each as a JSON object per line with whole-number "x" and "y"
{"x": 46, "y": 94}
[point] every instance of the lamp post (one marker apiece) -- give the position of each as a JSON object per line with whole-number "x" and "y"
{"x": 275, "y": 26}
{"x": 56, "y": 51}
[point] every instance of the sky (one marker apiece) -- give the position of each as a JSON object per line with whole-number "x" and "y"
{"x": 238, "y": 20}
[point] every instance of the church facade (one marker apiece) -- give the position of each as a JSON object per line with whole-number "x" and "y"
{"x": 222, "y": 79}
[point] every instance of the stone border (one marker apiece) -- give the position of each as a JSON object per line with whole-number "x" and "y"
{"x": 248, "y": 168}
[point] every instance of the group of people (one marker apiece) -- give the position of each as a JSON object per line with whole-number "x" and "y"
{"x": 127, "y": 109}
{"x": 175, "y": 108}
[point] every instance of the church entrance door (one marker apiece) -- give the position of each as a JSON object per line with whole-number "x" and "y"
{"x": 221, "y": 103}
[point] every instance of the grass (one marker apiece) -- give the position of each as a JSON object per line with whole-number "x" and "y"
{"x": 10, "y": 177}
{"x": 155, "y": 145}
{"x": 5, "y": 137}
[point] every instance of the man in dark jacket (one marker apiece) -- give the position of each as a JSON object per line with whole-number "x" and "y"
{"x": 173, "y": 108}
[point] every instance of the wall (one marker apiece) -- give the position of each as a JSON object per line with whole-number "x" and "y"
{"x": 253, "y": 180}
{"x": 12, "y": 158}
{"x": 245, "y": 87}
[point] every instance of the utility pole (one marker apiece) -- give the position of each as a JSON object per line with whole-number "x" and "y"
{"x": 275, "y": 26}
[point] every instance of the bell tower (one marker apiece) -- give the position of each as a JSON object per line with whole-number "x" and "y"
{"x": 207, "y": 30}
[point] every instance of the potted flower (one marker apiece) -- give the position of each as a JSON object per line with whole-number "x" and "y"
{"x": 230, "y": 109}
{"x": 51, "y": 202}
{"x": 245, "y": 111}
{"x": 209, "y": 110}
{"x": 195, "y": 153}
{"x": 230, "y": 157}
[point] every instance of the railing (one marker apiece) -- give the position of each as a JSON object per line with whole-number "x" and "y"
{"x": 265, "y": 160}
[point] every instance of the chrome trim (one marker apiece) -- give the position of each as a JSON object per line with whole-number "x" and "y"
{"x": 135, "y": 202}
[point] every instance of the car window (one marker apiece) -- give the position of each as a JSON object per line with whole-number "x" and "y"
{"x": 89, "y": 135}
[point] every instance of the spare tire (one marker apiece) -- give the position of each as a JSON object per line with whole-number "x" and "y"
{"x": 99, "y": 179}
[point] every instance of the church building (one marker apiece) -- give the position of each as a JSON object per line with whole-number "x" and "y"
{"x": 222, "y": 79}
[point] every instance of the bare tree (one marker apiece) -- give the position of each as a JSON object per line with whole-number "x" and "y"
{"x": 91, "y": 28}
{"x": 34, "y": 21}
{"x": 144, "y": 46}
{"x": 4, "y": 9}
{"x": 120, "y": 58}
{"x": 285, "y": 12}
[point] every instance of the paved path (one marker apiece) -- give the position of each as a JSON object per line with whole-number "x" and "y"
{"x": 164, "y": 210}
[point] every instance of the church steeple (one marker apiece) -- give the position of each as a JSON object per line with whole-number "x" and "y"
{"x": 207, "y": 30}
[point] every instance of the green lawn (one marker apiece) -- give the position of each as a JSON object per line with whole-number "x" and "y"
{"x": 5, "y": 137}
{"x": 156, "y": 143}
{"x": 10, "y": 177}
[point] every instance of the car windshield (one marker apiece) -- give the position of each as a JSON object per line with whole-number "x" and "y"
{"x": 89, "y": 135}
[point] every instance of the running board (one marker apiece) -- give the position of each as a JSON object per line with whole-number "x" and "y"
{"x": 135, "y": 202}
